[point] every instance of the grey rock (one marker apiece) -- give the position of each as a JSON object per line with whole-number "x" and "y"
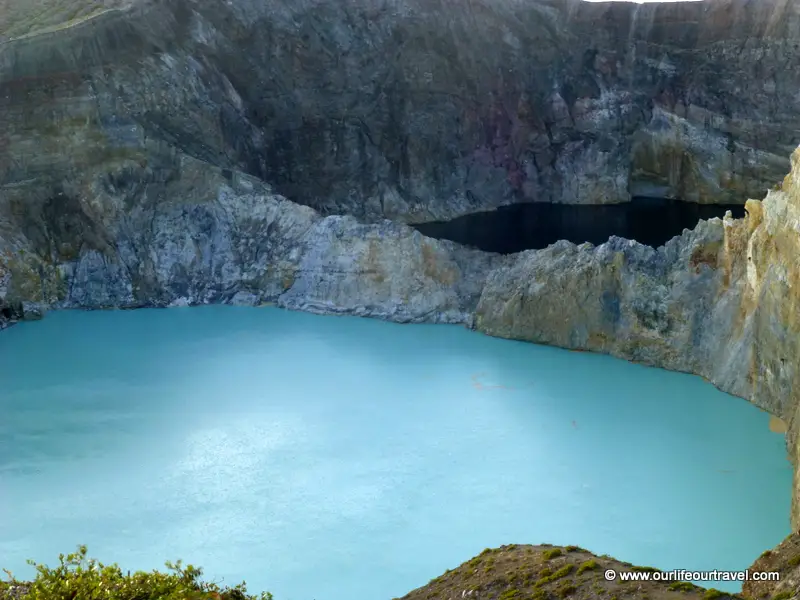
{"x": 203, "y": 236}
{"x": 386, "y": 270}
{"x": 32, "y": 311}
{"x": 418, "y": 110}
{"x": 721, "y": 301}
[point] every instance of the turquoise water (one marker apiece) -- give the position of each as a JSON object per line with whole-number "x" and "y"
{"x": 332, "y": 458}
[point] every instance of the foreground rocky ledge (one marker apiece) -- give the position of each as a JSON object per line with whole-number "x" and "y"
{"x": 514, "y": 572}
{"x": 551, "y": 572}
{"x": 522, "y": 572}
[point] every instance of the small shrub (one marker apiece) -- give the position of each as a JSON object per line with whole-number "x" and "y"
{"x": 681, "y": 586}
{"x": 794, "y": 561}
{"x": 562, "y": 572}
{"x": 548, "y": 554}
{"x": 645, "y": 569}
{"x": 782, "y": 596}
{"x": 713, "y": 594}
{"x": 77, "y": 576}
{"x": 587, "y": 566}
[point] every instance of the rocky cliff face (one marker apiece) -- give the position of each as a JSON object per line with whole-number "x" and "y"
{"x": 415, "y": 110}
{"x": 722, "y": 301}
{"x": 181, "y": 232}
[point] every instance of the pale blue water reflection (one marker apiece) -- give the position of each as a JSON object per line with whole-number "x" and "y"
{"x": 330, "y": 458}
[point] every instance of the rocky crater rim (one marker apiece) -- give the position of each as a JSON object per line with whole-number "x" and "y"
{"x": 560, "y": 101}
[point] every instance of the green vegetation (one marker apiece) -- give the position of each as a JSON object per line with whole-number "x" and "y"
{"x": 713, "y": 594}
{"x": 587, "y": 566}
{"x": 681, "y": 586}
{"x": 79, "y": 577}
{"x": 645, "y": 569}
{"x": 782, "y": 596}
{"x": 548, "y": 554}
{"x": 567, "y": 590}
{"x": 562, "y": 572}
{"x": 794, "y": 561}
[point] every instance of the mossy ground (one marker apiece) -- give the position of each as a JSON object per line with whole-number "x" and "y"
{"x": 551, "y": 573}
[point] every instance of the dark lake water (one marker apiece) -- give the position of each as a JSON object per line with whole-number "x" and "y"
{"x": 650, "y": 221}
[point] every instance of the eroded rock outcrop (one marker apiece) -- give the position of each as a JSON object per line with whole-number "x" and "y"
{"x": 417, "y": 110}
{"x": 180, "y": 232}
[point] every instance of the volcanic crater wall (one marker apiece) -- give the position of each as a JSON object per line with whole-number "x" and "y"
{"x": 420, "y": 110}
{"x": 143, "y": 154}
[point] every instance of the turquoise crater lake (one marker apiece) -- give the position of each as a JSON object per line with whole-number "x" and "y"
{"x": 337, "y": 458}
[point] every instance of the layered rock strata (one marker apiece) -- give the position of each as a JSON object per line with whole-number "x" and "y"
{"x": 415, "y": 110}
{"x": 183, "y": 233}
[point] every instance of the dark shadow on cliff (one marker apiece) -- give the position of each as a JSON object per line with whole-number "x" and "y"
{"x": 509, "y": 229}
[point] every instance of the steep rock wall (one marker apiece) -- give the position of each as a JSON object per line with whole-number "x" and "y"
{"x": 721, "y": 301}
{"x": 420, "y": 109}
{"x": 176, "y": 231}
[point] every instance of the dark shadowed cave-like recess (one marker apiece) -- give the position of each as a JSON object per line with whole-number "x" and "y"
{"x": 533, "y": 226}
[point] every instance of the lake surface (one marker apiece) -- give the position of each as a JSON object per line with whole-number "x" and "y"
{"x": 333, "y": 458}
{"x": 509, "y": 229}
